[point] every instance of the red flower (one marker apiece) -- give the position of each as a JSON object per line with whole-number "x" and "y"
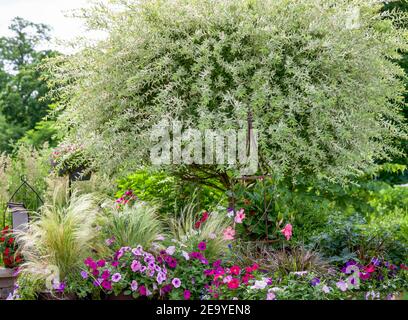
{"x": 252, "y": 268}
{"x": 6, "y": 252}
{"x": 204, "y": 217}
{"x": 2, "y": 239}
{"x": 404, "y": 267}
{"x": 235, "y": 270}
{"x": 370, "y": 268}
{"x": 246, "y": 277}
{"x": 233, "y": 284}
{"x": 10, "y": 241}
{"x": 197, "y": 225}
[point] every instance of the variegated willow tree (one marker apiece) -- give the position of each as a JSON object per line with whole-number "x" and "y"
{"x": 317, "y": 79}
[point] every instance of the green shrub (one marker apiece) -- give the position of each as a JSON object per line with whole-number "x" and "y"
{"x": 170, "y": 193}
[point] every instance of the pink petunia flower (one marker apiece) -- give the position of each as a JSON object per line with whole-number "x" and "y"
{"x": 170, "y": 250}
{"x": 240, "y": 216}
{"x": 116, "y": 277}
{"x": 134, "y": 285}
{"x": 176, "y": 282}
{"x": 229, "y": 233}
{"x": 287, "y": 231}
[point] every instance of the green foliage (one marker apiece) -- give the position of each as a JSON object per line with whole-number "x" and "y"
{"x": 359, "y": 238}
{"x": 132, "y": 226}
{"x": 170, "y": 193}
{"x": 269, "y": 204}
{"x": 23, "y": 91}
{"x": 25, "y": 163}
{"x": 324, "y": 96}
{"x": 44, "y": 131}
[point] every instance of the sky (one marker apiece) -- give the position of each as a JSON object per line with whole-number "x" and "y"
{"x": 51, "y": 12}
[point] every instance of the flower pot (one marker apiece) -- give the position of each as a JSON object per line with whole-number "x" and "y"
{"x": 77, "y": 174}
{"x": 7, "y": 282}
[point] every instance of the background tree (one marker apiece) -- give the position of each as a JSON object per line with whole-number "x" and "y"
{"x": 23, "y": 88}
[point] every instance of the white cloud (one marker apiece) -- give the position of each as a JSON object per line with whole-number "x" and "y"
{"x": 51, "y": 12}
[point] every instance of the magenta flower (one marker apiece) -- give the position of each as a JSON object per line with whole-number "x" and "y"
{"x": 176, "y": 282}
{"x": 105, "y": 275}
{"x": 187, "y": 294}
{"x": 142, "y": 291}
{"x": 202, "y": 246}
{"x": 116, "y": 277}
{"x": 107, "y": 285}
{"x": 101, "y": 263}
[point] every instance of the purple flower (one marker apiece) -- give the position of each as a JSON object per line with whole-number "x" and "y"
{"x": 134, "y": 285}
{"x": 84, "y": 274}
{"x": 216, "y": 263}
{"x": 172, "y": 263}
{"x": 161, "y": 277}
{"x": 59, "y": 286}
{"x": 135, "y": 266}
{"x": 176, "y": 282}
{"x": 167, "y": 288}
{"x": 202, "y": 246}
{"x": 375, "y": 261}
{"x": 315, "y": 282}
{"x": 101, "y": 263}
{"x": 342, "y": 285}
{"x": 116, "y": 277}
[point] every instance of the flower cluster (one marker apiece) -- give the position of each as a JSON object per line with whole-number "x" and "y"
{"x": 203, "y": 218}
{"x": 225, "y": 280}
{"x": 131, "y": 270}
{"x": 8, "y": 248}
{"x": 127, "y": 198}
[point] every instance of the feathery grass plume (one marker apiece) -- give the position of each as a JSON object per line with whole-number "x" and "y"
{"x": 132, "y": 225}
{"x": 182, "y": 228}
{"x": 59, "y": 238}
